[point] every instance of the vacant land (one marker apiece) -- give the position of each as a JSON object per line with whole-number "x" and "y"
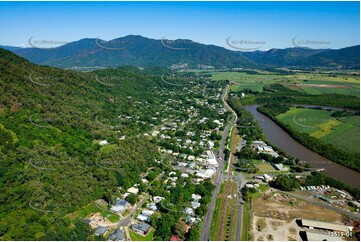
{"x": 342, "y": 132}
{"x": 90, "y": 209}
{"x": 274, "y": 215}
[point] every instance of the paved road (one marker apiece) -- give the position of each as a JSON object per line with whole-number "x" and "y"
{"x": 126, "y": 221}
{"x": 207, "y": 221}
{"x": 325, "y": 205}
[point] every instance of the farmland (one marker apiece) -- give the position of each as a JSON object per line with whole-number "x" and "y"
{"x": 342, "y": 132}
{"x": 254, "y": 82}
{"x": 308, "y": 83}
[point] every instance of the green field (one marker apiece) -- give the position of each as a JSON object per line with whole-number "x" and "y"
{"x": 265, "y": 168}
{"x": 256, "y": 82}
{"x": 343, "y": 132}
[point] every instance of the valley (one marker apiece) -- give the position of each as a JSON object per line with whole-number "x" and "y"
{"x": 179, "y": 121}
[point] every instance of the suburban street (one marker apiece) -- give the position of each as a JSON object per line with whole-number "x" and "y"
{"x": 126, "y": 221}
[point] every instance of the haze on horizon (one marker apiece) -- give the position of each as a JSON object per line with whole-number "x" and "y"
{"x": 274, "y": 24}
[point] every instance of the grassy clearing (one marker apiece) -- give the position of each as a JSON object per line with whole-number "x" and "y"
{"x": 92, "y": 208}
{"x": 341, "y": 132}
{"x": 265, "y": 167}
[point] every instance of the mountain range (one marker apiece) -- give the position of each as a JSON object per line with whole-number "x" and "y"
{"x": 139, "y": 51}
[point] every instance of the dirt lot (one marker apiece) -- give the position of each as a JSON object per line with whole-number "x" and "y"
{"x": 274, "y": 216}
{"x": 274, "y": 229}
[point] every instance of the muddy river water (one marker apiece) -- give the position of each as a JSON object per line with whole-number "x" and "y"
{"x": 277, "y": 136}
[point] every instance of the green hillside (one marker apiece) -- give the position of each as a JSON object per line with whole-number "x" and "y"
{"x": 49, "y": 119}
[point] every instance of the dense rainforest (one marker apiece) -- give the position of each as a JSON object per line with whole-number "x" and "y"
{"x": 51, "y": 122}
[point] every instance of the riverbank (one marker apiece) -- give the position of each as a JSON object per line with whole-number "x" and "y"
{"x": 347, "y": 159}
{"x": 280, "y": 138}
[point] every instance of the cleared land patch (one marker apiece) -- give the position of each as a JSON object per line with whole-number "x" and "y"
{"x": 274, "y": 213}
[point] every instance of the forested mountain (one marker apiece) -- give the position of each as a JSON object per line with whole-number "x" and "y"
{"x": 11, "y": 48}
{"x": 48, "y": 148}
{"x": 136, "y": 51}
{"x": 51, "y": 125}
{"x": 282, "y": 57}
{"x": 304, "y": 57}
{"x": 139, "y": 51}
{"x": 349, "y": 57}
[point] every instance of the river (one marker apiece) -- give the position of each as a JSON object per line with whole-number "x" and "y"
{"x": 277, "y": 136}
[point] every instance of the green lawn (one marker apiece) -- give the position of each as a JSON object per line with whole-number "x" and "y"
{"x": 265, "y": 168}
{"x": 138, "y": 237}
{"x": 342, "y": 132}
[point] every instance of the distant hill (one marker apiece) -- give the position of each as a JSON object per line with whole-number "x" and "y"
{"x": 139, "y": 51}
{"x": 282, "y": 57}
{"x": 136, "y": 51}
{"x": 349, "y": 57}
{"x": 11, "y": 48}
{"x": 304, "y": 57}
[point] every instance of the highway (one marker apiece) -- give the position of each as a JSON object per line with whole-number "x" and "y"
{"x": 218, "y": 177}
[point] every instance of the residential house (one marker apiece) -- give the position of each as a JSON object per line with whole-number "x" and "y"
{"x": 117, "y": 235}
{"x": 184, "y": 175}
{"x": 196, "y": 197}
{"x": 157, "y": 199}
{"x": 100, "y": 231}
{"x": 141, "y": 228}
{"x": 189, "y": 210}
{"x": 103, "y": 142}
{"x": 195, "y": 205}
{"x": 175, "y": 238}
{"x": 152, "y": 206}
{"x": 133, "y": 190}
{"x": 147, "y": 212}
{"x": 143, "y": 218}
{"x": 190, "y": 219}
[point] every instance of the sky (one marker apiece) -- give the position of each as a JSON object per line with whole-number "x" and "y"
{"x": 246, "y": 25}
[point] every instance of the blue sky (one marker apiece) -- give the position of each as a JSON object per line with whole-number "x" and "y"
{"x": 269, "y": 24}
